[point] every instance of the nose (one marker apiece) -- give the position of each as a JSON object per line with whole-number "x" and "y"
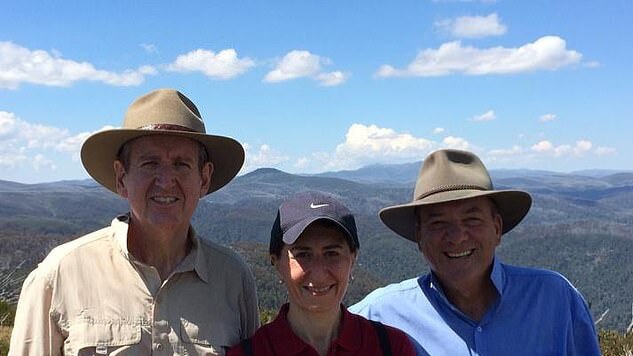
{"x": 455, "y": 234}
{"x": 318, "y": 269}
{"x": 165, "y": 177}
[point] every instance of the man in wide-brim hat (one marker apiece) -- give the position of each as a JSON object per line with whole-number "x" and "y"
{"x": 471, "y": 303}
{"x": 146, "y": 284}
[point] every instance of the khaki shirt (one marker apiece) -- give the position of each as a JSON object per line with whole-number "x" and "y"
{"x": 91, "y": 297}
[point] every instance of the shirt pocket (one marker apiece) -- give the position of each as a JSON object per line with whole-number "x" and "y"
{"x": 208, "y": 338}
{"x": 90, "y": 337}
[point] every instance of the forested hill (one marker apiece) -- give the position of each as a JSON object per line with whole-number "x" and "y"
{"x": 581, "y": 225}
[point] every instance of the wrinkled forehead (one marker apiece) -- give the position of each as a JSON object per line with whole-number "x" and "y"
{"x": 484, "y": 204}
{"x": 152, "y": 143}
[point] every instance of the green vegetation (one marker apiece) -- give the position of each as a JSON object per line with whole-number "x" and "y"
{"x": 615, "y": 344}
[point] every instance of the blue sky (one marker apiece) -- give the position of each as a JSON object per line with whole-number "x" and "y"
{"x": 312, "y": 86}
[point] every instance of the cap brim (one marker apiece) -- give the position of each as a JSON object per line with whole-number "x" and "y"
{"x": 513, "y": 205}
{"x": 100, "y": 151}
{"x": 291, "y": 236}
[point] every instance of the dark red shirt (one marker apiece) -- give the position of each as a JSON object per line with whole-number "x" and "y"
{"x": 357, "y": 336}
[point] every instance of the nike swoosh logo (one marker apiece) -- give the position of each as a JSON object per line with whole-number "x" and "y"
{"x": 316, "y": 206}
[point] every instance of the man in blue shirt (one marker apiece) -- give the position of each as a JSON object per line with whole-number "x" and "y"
{"x": 470, "y": 303}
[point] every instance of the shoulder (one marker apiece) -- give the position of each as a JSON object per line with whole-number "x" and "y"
{"x": 222, "y": 260}
{"x": 547, "y": 281}
{"x": 535, "y": 275}
{"x": 84, "y": 245}
{"x": 401, "y": 291}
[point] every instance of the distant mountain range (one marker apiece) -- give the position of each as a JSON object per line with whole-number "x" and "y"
{"x": 581, "y": 224}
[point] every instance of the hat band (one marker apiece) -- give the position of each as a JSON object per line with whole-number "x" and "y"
{"x": 451, "y": 187}
{"x": 168, "y": 127}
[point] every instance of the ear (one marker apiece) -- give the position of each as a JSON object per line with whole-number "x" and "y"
{"x": 418, "y": 233}
{"x": 120, "y": 174}
{"x": 498, "y": 223}
{"x": 205, "y": 178}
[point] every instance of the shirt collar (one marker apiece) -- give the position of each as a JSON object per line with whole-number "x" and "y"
{"x": 497, "y": 277}
{"x": 195, "y": 260}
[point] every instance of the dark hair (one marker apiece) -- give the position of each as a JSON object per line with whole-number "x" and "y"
{"x": 125, "y": 151}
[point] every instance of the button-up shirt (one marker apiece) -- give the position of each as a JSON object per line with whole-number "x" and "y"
{"x": 537, "y": 312}
{"x": 90, "y": 296}
{"x": 356, "y": 336}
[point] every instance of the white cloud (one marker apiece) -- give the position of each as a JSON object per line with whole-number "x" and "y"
{"x": 20, "y": 65}
{"x": 263, "y": 156}
{"x": 303, "y": 64}
{"x": 456, "y": 143}
{"x": 546, "y": 53}
{"x": 438, "y": 130}
{"x": 547, "y": 118}
{"x": 366, "y": 144}
{"x": 487, "y": 116}
{"x": 40, "y": 162}
{"x": 223, "y": 65}
{"x": 472, "y": 26}
{"x": 22, "y": 142}
{"x": 331, "y": 79}
{"x": 579, "y": 149}
{"x": 149, "y": 48}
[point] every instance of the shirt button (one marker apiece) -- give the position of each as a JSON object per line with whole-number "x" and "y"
{"x": 479, "y": 329}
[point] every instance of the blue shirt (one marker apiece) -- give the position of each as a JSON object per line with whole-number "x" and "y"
{"x": 537, "y": 312}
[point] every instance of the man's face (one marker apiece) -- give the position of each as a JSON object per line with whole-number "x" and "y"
{"x": 459, "y": 239}
{"x": 164, "y": 181}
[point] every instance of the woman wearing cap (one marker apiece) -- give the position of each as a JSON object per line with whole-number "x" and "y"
{"x": 313, "y": 246}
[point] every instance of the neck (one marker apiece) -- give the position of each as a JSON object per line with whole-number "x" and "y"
{"x": 472, "y": 299}
{"x": 316, "y": 329}
{"x": 162, "y": 249}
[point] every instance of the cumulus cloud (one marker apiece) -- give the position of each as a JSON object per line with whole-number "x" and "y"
{"x": 547, "y": 118}
{"x": 546, "y": 53}
{"x": 23, "y": 142}
{"x": 438, "y": 130}
{"x": 262, "y": 156}
{"x": 331, "y": 79}
{"x": 303, "y": 64}
{"x": 222, "y": 65}
{"x": 365, "y": 144}
{"x": 21, "y": 65}
{"x": 487, "y": 116}
{"x": 579, "y": 149}
{"x": 457, "y": 143}
{"x": 472, "y": 26}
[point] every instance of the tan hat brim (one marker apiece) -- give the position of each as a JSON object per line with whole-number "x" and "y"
{"x": 513, "y": 205}
{"x": 100, "y": 151}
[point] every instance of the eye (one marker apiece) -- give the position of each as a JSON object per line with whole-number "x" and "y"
{"x": 148, "y": 164}
{"x": 332, "y": 253}
{"x": 183, "y": 165}
{"x": 473, "y": 221}
{"x": 436, "y": 225}
{"x": 300, "y": 255}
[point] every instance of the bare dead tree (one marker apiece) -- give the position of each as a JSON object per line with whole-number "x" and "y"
{"x": 630, "y": 327}
{"x": 601, "y": 316}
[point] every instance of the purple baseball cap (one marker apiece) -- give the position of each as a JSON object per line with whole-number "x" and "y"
{"x": 300, "y": 210}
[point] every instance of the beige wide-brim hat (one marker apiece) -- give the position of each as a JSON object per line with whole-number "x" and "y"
{"x": 161, "y": 112}
{"x": 449, "y": 175}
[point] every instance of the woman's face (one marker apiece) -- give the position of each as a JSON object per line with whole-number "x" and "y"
{"x": 316, "y": 268}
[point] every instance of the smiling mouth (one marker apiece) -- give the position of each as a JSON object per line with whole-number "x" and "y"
{"x": 318, "y": 291}
{"x": 164, "y": 200}
{"x": 460, "y": 254}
